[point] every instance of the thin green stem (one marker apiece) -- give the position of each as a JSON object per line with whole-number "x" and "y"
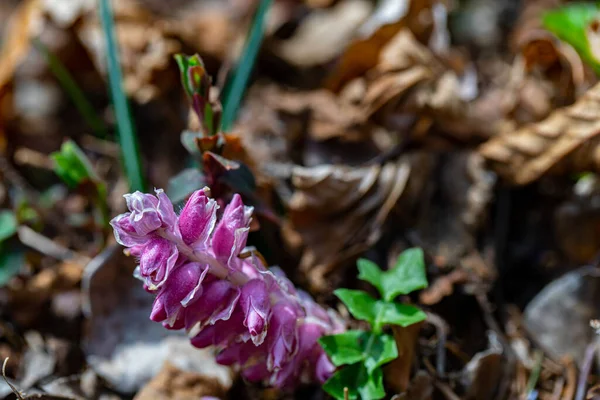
{"x": 234, "y": 89}
{"x": 127, "y": 137}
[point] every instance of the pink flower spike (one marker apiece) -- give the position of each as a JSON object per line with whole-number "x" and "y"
{"x": 197, "y": 219}
{"x": 252, "y": 314}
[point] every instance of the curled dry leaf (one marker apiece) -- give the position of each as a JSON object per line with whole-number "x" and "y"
{"x": 565, "y": 142}
{"x": 398, "y": 371}
{"x": 407, "y": 80}
{"x": 337, "y": 212}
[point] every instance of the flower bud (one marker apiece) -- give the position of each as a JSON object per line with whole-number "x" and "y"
{"x": 231, "y": 232}
{"x": 256, "y": 305}
{"x": 197, "y": 220}
{"x": 168, "y": 305}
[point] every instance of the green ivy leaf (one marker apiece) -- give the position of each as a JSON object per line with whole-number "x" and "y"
{"x": 571, "y": 24}
{"x": 358, "y": 381}
{"x": 382, "y": 349}
{"x": 353, "y": 346}
{"x": 8, "y": 224}
{"x": 360, "y": 304}
{"x": 400, "y": 314}
{"x": 405, "y": 277}
{"x": 344, "y": 348}
{"x": 370, "y": 272}
{"x": 378, "y": 312}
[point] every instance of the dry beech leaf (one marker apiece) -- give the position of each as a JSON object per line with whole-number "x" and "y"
{"x": 398, "y": 371}
{"x": 363, "y": 54}
{"x": 324, "y": 34}
{"x": 329, "y": 116}
{"x": 337, "y": 212}
{"x": 172, "y": 383}
{"x": 565, "y": 142}
{"x": 18, "y": 32}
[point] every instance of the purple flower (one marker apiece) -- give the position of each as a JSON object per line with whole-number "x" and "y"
{"x": 253, "y": 315}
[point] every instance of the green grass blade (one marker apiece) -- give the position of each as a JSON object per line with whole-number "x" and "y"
{"x": 72, "y": 89}
{"x": 127, "y": 138}
{"x": 236, "y": 86}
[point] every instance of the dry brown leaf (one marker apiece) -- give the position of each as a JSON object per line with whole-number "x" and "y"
{"x": 323, "y": 34}
{"x": 171, "y": 383}
{"x": 565, "y": 142}
{"x": 337, "y": 212}
{"x": 18, "y": 32}
{"x": 363, "y": 54}
{"x": 328, "y": 115}
{"x": 398, "y": 372}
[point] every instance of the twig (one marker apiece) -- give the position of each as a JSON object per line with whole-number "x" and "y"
{"x": 507, "y": 349}
{"x": 442, "y": 332}
{"x": 588, "y": 360}
{"x": 46, "y": 246}
{"x": 10, "y": 385}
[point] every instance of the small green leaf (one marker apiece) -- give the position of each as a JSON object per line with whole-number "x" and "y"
{"x": 407, "y": 275}
{"x": 372, "y": 386}
{"x": 344, "y": 348}
{"x": 571, "y": 23}
{"x": 72, "y": 165}
{"x": 400, "y": 314}
{"x": 11, "y": 261}
{"x": 353, "y": 346}
{"x": 8, "y": 224}
{"x": 370, "y": 272}
{"x": 382, "y": 349}
{"x": 358, "y": 381}
{"x": 185, "y": 183}
{"x": 360, "y": 304}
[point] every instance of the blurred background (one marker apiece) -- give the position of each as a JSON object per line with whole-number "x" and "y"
{"x": 356, "y": 128}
